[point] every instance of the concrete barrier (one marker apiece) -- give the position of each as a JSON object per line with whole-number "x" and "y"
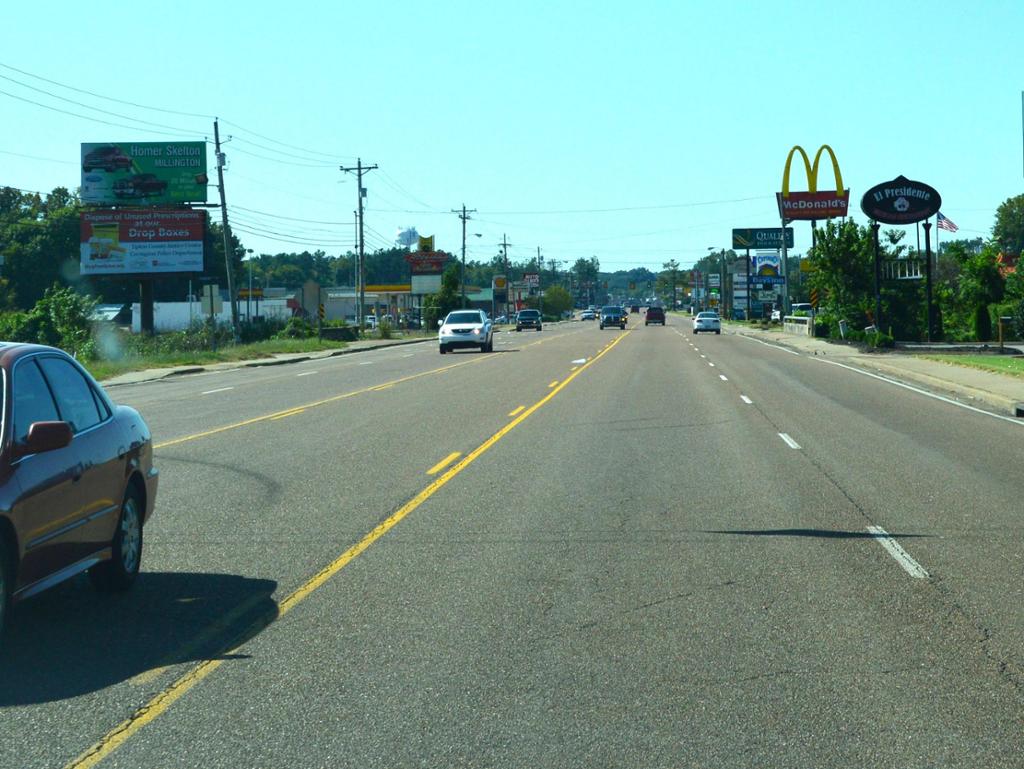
{"x": 799, "y": 325}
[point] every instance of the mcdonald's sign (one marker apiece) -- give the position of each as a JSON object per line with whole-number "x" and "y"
{"x": 813, "y": 204}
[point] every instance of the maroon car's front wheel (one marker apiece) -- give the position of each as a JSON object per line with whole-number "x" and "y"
{"x": 121, "y": 570}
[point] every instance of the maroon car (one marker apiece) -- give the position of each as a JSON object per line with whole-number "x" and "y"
{"x": 655, "y": 315}
{"x": 77, "y": 482}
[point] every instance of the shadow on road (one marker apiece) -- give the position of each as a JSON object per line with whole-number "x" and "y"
{"x": 73, "y": 640}
{"x": 820, "y": 533}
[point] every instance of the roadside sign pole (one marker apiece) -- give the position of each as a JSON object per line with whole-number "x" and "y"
{"x": 785, "y": 271}
{"x": 748, "y": 284}
{"x": 875, "y": 227}
{"x": 928, "y": 280}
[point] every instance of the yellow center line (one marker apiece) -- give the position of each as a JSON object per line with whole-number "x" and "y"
{"x": 444, "y": 463}
{"x": 516, "y": 411}
{"x": 383, "y": 387}
{"x": 288, "y": 414}
{"x": 324, "y": 402}
{"x": 574, "y": 368}
{"x": 553, "y": 383}
{"x": 159, "y": 704}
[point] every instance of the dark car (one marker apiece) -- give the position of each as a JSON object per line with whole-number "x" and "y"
{"x": 139, "y": 186}
{"x": 108, "y": 158}
{"x": 655, "y": 315}
{"x": 77, "y": 483}
{"x": 612, "y": 316}
{"x": 528, "y": 319}
{"x": 634, "y": 308}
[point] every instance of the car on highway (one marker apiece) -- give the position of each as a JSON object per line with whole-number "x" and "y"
{"x": 587, "y": 315}
{"x": 612, "y": 316}
{"x": 528, "y": 319}
{"x": 77, "y": 482}
{"x": 707, "y": 321}
{"x": 139, "y": 186}
{"x": 465, "y": 328}
{"x": 655, "y": 315}
{"x": 109, "y": 158}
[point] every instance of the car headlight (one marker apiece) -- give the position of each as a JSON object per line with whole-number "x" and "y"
{"x": 477, "y": 331}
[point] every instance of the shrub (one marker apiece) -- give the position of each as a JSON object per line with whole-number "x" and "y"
{"x": 880, "y": 339}
{"x": 13, "y": 326}
{"x": 296, "y": 328}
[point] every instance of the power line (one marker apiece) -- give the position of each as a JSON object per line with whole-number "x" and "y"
{"x": 87, "y": 117}
{"x": 89, "y": 106}
{"x": 290, "y": 218}
{"x": 36, "y": 157}
{"x": 282, "y": 162}
{"x": 290, "y": 146}
{"x": 107, "y": 98}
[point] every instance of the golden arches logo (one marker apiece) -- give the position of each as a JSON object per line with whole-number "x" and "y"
{"x": 813, "y": 204}
{"x": 812, "y": 170}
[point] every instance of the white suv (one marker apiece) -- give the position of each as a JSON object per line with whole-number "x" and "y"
{"x": 465, "y": 328}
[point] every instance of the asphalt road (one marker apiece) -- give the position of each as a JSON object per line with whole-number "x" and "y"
{"x": 590, "y": 548}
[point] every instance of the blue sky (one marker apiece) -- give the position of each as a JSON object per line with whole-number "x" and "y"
{"x": 637, "y": 132}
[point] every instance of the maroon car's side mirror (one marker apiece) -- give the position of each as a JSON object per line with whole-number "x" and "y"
{"x": 44, "y": 436}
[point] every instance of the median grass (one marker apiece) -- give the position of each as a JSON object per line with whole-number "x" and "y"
{"x": 1000, "y": 364}
{"x": 106, "y": 369}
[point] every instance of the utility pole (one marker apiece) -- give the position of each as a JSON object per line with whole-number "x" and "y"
{"x": 227, "y": 231}
{"x": 504, "y": 251}
{"x": 360, "y": 169}
{"x": 540, "y": 282}
{"x": 464, "y": 216}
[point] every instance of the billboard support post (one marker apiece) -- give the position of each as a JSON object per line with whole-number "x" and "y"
{"x": 228, "y": 267}
{"x": 928, "y": 280}
{"x": 146, "y": 306}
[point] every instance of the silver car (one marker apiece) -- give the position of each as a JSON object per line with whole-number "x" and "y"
{"x": 707, "y": 321}
{"x": 465, "y": 328}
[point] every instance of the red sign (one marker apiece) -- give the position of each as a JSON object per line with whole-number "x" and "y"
{"x": 427, "y": 262}
{"x": 140, "y": 241}
{"x": 807, "y": 206}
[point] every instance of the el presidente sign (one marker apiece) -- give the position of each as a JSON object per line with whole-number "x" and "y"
{"x": 901, "y": 201}
{"x": 813, "y": 204}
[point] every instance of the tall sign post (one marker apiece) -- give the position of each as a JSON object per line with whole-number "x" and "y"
{"x": 811, "y": 205}
{"x": 902, "y": 201}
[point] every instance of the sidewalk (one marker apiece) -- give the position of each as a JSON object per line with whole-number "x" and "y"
{"x": 1001, "y": 393}
{"x": 362, "y": 345}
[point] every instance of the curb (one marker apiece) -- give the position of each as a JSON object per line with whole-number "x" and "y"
{"x": 1007, "y": 405}
{"x": 266, "y": 362}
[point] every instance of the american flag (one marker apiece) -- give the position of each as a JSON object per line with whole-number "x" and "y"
{"x": 946, "y": 224}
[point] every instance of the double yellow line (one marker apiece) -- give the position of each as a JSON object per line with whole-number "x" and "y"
{"x": 179, "y": 688}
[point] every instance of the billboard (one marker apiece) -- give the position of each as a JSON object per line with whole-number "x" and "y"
{"x": 141, "y": 241}
{"x": 144, "y": 173}
{"x": 763, "y": 237}
{"x": 813, "y": 204}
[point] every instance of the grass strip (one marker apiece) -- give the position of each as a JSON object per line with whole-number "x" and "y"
{"x": 1000, "y": 364}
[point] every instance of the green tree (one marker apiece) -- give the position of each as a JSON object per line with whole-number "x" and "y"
{"x": 556, "y": 301}
{"x": 1008, "y": 232}
{"x": 979, "y": 284}
{"x": 437, "y": 306}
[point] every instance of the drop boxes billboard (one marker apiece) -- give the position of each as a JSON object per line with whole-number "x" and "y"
{"x": 142, "y": 241}
{"x": 144, "y": 173}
